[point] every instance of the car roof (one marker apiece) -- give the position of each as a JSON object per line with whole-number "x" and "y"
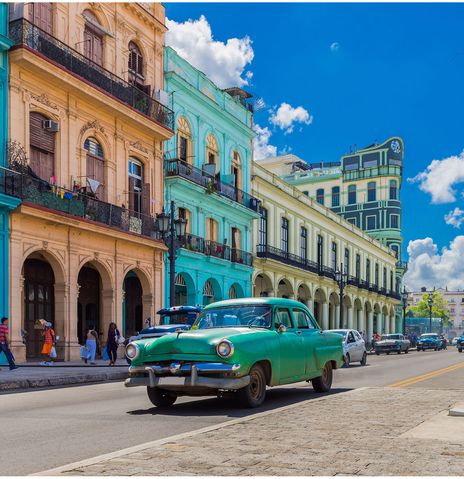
{"x": 340, "y": 329}
{"x": 180, "y": 309}
{"x": 258, "y": 302}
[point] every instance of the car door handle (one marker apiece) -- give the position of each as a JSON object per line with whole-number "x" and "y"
{"x": 298, "y": 332}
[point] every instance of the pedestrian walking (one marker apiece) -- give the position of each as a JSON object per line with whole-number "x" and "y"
{"x": 112, "y": 343}
{"x": 91, "y": 345}
{"x": 48, "y": 348}
{"x": 4, "y": 347}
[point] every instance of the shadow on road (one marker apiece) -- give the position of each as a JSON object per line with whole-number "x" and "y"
{"x": 227, "y": 406}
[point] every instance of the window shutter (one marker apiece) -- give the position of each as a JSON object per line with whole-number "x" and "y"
{"x": 42, "y": 143}
{"x": 146, "y": 199}
{"x": 131, "y": 193}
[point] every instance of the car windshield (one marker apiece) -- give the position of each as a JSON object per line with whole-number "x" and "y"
{"x": 181, "y": 317}
{"x": 341, "y": 333}
{"x": 429, "y": 335}
{"x": 230, "y": 316}
{"x": 391, "y": 336}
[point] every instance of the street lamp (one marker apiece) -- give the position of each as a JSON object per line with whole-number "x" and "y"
{"x": 404, "y": 298}
{"x": 430, "y": 303}
{"x": 340, "y": 277}
{"x": 173, "y": 232}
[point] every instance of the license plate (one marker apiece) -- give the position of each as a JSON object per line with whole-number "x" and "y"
{"x": 171, "y": 381}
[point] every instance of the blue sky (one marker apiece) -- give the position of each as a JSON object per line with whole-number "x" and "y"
{"x": 398, "y": 70}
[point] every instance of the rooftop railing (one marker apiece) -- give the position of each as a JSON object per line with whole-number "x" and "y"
{"x": 32, "y": 190}
{"x": 177, "y": 167}
{"x": 383, "y": 170}
{"x": 25, "y": 34}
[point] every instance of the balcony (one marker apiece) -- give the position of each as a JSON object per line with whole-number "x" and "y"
{"x": 383, "y": 170}
{"x": 217, "y": 250}
{"x": 265, "y": 251}
{"x": 25, "y": 34}
{"x": 34, "y": 191}
{"x": 212, "y": 185}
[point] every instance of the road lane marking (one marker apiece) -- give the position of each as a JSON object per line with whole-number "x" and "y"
{"x": 148, "y": 445}
{"x": 424, "y": 377}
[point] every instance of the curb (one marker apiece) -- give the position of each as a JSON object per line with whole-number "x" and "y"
{"x": 60, "y": 381}
{"x": 148, "y": 445}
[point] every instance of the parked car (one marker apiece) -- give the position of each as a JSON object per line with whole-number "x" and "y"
{"x": 239, "y": 346}
{"x": 171, "y": 320}
{"x": 354, "y": 347}
{"x": 454, "y": 341}
{"x": 392, "y": 343}
{"x": 460, "y": 343}
{"x": 429, "y": 341}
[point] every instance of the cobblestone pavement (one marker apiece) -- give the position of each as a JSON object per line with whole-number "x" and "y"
{"x": 354, "y": 433}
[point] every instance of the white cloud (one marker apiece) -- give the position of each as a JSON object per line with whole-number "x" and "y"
{"x": 455, "y": 217}
{"x": 440, "y": 177}
{"x": 262, "y": 148}
{"x": 285, "y": 117}
{"x": 431, "y": 268}
{"x": 223, "y": 63}
{"x": 334, "y": 47}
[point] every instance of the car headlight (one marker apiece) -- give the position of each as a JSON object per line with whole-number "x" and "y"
{"x": 225, "y": 348}
{"x": 132, "y": 351}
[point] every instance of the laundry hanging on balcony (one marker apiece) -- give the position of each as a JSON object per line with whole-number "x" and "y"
{"x": 93, "y": 184}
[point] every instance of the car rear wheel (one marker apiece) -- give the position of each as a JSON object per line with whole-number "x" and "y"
{"x": 364, "y": 359}
{"x": 254, "y": 394}
{"x": 436, "y": 349}
{"x": 322, "y": 384}
{"x": 160, "y": 397}
{"x": 406, "y": 351}
{"x": 460, "y": 350}
{"x": 346, "y": 360}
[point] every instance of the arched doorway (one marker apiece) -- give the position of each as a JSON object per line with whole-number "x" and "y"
{"x": 262, "y": 286}
{"x": 211, "y": 291}
{"x": 133, "y": 304}
{"x": 236, "y": 291}
{"x": 303, "y": 294}
{"x": 284, "y": 289}
{"x": 39, "y": 302}
{"x": 89, "y": 304}
{"x": 334, "y": 321}
{"x": 319, "y": 301}
{"x": 185, "y": 290}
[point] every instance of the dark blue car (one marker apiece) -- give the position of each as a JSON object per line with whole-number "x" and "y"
{"x": 429, "y": 341}
{"x": 460, "y": 343}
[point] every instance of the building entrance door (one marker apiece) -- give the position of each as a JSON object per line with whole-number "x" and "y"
{"x": 88, "y": 308}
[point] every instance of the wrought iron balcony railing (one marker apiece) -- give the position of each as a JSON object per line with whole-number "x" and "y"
{"x": 217, "y": 250}
{"x": 266, "y": 251}
{"x": 28, "y": 35}
{"x": 212, "y": 184}
{"x": 38, "y": 192}
{"x": 383, "y": 170}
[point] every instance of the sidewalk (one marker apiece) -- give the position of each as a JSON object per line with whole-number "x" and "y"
{"x": 33, "y": 375}
{"x": 367, "y": 431}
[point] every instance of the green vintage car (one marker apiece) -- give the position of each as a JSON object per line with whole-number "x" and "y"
{"x": 239, "y": 346}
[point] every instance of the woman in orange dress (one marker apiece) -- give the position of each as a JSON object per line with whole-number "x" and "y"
{"x": 49, "y": 340}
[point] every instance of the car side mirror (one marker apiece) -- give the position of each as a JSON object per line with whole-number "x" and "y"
{"x": 282, "y": 329}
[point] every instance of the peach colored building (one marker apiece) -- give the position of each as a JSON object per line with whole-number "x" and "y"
{"x": 86, "y": 155}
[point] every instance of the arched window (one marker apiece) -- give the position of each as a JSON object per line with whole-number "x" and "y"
{"x": 93, "y": 38}
{"x": 208, "y": 293}
{"x": 212, "y": 154}
{"x": 41, "y": 15}
{"x": 184, "y": 140}
{"x": 136, "y": 68}
{"x": 393, "y": 190}
{"x": 95, "y": 166}
{"x": 320, "y": 196}
{"x": 371, "y": 191}
{"x": 232, "y": 293}
{"x": 139, "y": 192}
{"x": 42, "y": 147}
{"x": 236, "y": 169}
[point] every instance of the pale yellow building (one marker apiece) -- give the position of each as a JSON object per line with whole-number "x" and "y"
{"x": 301, "y": 244}
{"x": 87, "y": 137}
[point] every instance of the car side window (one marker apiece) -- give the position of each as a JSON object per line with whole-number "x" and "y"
{"x": 357, "y": 336}
{"x": 303, "y": 320}
{"x": 351, "y": 337}
{"x": 282, "y": 317}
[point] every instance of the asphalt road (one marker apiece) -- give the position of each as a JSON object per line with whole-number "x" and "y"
{"x": 48, "y": 428}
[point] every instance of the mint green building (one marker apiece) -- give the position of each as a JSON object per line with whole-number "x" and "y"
{"x": 207, "y": 175}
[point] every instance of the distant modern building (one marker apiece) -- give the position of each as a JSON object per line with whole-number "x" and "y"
{"x": 207, "y": 175}
{"x": 455, "y": 301}
{"x": 301, "y": 247}
{"x": 7, "y": 203}
{"x": 363, "y": 187}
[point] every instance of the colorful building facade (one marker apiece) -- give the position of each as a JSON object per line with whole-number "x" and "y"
{"x": 302, "y": 247}
{"x": 7, "y": 203}
{"x": 207, "y": 175}
{"x": 87, "y": 153}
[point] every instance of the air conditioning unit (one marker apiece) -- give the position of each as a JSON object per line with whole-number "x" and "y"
{"x": 162, "y": 96}
{"x": 52, "y": 126}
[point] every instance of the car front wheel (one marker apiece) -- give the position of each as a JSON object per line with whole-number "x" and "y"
{"x": 322, "y": 384}
{"x": 254, "y": 394}
{"x": 160, "y": 397}
{"x": 460, "y": 350}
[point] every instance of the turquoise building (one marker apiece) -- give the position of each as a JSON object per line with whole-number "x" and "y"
{"x": 7, "y": 203}
{"x": 207, "y": 175}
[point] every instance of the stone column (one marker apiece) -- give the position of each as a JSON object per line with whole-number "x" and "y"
{"x": 71, "y": 336}
{"x": 336, "y": 323}
{"x": 61, "y": 318}
{"x": 361, "y": 322}
{"x": 370, "y": 324}
{"x": 107, "y": 299}
{"x": 147, "y": 307}
{"x": 350, "y": 317}
{"x": 311, "y": 305}
{"x": 325, "y": 316}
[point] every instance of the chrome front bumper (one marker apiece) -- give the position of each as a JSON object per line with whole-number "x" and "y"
{"x": 185, "y": 376}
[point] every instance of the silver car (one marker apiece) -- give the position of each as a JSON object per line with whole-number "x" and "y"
{"x": 354, "y": 347}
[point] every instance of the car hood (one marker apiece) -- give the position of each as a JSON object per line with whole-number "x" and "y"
{"x": 194, "y": 342}
{"x": 428, "y": 340}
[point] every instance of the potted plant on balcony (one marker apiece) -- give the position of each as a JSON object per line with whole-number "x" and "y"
{"x": 211, "y": 187}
